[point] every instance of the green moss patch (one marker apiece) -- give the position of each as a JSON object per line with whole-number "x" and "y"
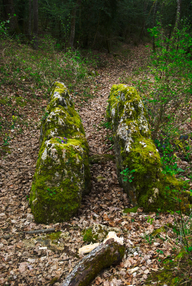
{"x": 54, "y": 236}
{"x": 54, "y": 280}
{"x": 97, "y": 233}
{"x": 131, "y": 210}
{"x": 62, "y": 172}
{"x": 88, "y": 236}
{"x": 136, "y": 153}
{"x": 20, "y": 101}
{"x": 5, "y": 149}
{"x": 171, "y": 274}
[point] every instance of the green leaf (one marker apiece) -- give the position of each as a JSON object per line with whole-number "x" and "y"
{"x": 180, "y": 170}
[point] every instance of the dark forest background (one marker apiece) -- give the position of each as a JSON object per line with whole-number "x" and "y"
{"x": 89, "y": 23}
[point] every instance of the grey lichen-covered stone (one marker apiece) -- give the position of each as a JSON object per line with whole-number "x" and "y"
{"x": 136, "y": 153}
{"x": 62, "y": 173}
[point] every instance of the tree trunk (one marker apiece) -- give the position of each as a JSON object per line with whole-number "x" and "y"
{"x": 96, "y": 30}
{"x": 174, "y": 37}
{"x": 103, "y": 256}
{"x": 30, "y": 19}
{"x": 145, "y": 4}
{"x": 35, "y": 25}
{"x": 154, "y": 18}
{"x": 73, "y": 22}
{"x": 178, "y": 14}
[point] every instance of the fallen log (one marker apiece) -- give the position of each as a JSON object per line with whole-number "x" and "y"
{"x": 108, "y": 253}
{"x": 36, "y": 231}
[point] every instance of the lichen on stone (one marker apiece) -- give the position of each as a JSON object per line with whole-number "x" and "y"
{"x": 62, "y": 173}
{"x": 135, "y": 150}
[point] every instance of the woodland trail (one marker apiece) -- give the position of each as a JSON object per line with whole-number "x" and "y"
{"x": 43, "y": 259}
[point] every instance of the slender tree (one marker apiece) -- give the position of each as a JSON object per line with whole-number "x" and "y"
{"x": 73, "y": 23}
{"x": 178, "y": 14}
{"x": 30, "y": 19}
{"x": 154, "y": 19}
{"x": 35, "y": 24}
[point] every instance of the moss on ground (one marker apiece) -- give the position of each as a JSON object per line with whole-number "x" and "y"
{"x": 158, "y": 231}
{"x": 175, "y": 271}
{"x": 54, "y": 280}
{"x": 97, "y": 233}
{"x": 130, "y": 210}
{"x": 88, "y": 236}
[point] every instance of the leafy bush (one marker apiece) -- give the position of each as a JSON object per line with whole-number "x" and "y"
{"x": 3, "y": 28}
{"x": 167, "y": 85}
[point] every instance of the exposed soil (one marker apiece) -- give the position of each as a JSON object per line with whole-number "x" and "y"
{"x": 44, "y": 259}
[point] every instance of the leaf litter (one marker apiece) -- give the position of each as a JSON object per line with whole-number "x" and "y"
{"x": 39, "y": 258}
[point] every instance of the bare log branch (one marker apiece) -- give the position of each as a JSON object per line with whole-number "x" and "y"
{"x": 103, "y": 256}
{"x": 40, "y": 231}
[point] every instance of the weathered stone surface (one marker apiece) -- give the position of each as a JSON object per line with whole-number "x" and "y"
{"x": 62, "y": 172}
{"x": 136, "y": 153}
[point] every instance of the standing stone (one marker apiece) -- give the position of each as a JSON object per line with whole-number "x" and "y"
{"x": 62, "y": 173}
{"x": 139, "y": 167}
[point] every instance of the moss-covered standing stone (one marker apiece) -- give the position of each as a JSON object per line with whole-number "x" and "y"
{"x": 135, "y": 151}
{"x": 62, "y": 173}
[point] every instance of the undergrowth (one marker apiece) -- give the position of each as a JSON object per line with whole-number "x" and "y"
{"x": 26, "y": 78}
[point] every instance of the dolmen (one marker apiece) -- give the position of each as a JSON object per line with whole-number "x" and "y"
{"x": 139, "y": 166}
{"x": 62, "y": 173}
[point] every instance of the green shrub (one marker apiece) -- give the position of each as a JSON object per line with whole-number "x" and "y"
{"x": 166, "y": 86}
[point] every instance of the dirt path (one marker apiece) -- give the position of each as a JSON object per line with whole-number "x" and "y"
{"x": 44, "y": 259}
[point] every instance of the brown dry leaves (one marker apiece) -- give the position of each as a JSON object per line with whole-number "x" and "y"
{"x": 34, "y": 259}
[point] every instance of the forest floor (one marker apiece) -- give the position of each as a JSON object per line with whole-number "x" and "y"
{"x": 47, "y": 258}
